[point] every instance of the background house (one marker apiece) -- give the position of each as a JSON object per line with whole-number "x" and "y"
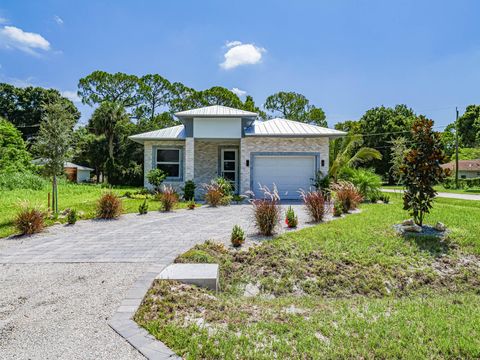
{"x": 467, "y": 169}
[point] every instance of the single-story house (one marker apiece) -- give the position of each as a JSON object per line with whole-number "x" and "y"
{"x": 74, "y": 172}
{"x": 221, "y": 141}
{"x": 467, "y": 169}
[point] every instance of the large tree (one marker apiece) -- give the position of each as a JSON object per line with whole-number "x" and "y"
{"x": 380, "y": 126}
{"x": 154, "y": 92}
{"x": 53, "y": 142}
{"x": 100, "y": 86}
{"x": 294, "y": 106}
{"x": 23, "y": 107}
{"x": 469, "y": 127}
{"x": 106, "y": 120}
{"x": 14, "y": 156}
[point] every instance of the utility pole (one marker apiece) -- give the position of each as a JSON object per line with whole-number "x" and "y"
{"x": 456, "y": 148}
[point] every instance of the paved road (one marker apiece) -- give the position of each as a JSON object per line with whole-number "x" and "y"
{"x": 444, "y": 195}
{"x": 58, "y": 288}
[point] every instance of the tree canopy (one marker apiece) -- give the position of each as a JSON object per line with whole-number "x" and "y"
{"x": 24, "y": 107}
{"x": 469, "y": 127}
{"x": 14, "y": 156}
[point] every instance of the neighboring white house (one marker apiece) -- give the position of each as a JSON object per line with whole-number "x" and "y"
{"x": 467, "y": 169}
{"x": 74, "y": 172}
{"x": 220, "y": 141}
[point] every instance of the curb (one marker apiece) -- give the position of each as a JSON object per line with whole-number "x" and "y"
{"x": 121, "y": 322}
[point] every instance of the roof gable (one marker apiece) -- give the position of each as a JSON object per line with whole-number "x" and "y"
{"x": 284, "y": 127}
{"x": 216, "y": 111}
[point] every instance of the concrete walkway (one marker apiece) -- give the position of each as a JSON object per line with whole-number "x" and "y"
{"x": 60, "y": 288}
{"x": 443, "y": 195}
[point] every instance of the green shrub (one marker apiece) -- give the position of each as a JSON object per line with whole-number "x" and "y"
{"x": 337, "y": 208}
{"x": 449, "y": 183}
{"x": 29, "y": 220}
{"x": 225, "y": 186}
{"x": 238, "y": 199}
{"x": 366, "y": 181}
{"x": 191, "y": 205}
{"x": 109, "y": 206}
{"x": 238, "y": 236}
{"x": 196, "y": 256}
{"x": 385, "y": 198}
{"x": 21, "y": 180}
{"x": 291, "y": 219}
{"x": 156, "y": 178}
{"x": 168, "y": 198}
{"x": 189, "y": 190}
{"x": 143, "y": 207}
{"x": 72, "y": 216}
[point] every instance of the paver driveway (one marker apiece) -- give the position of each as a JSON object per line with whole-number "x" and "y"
{"x": 59, "y": 288}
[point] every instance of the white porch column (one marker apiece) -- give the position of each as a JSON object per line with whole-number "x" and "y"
{"x": 189, "y": 158}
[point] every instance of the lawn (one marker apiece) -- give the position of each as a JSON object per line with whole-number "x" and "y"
{"x": 82, "y": 197}
{"x": 440, "y": 188}
{"x": 349, "y": 288}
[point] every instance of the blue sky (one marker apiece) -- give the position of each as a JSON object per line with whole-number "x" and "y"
{"x": 345, "y": 56}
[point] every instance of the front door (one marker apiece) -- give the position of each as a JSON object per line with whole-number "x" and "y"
{"x": 229, "y": 166}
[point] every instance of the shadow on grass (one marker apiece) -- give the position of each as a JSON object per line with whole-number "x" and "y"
{"x": 435, "y": 245}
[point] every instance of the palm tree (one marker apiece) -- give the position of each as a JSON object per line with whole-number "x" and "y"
{"x": 350, "y": 154}
{"x": 104, "y": 121}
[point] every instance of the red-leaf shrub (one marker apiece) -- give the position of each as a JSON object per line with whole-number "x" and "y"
{"x": 267, "y": 211}
{"x": 315, "y": 204}
{"x": 169, "y": 198}
{"x": 213, "y": 194}
{"x": 29, "y": 220}
{"x": 347, "y": 194}
{"x": 109, "y": 206}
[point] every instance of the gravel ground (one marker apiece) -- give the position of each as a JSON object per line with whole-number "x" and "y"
{"x": 40, "y": 306}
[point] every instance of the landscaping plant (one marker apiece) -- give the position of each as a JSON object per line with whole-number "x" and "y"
{"x": 218, "y": 192}
{"x": 156, "y": 178}
{"x": 29, "y": 220}
{"x": 109, "y": 206}
{"x": 191, "y": 205}
{"x": 421, "y": 169}
{"x": 291, "y": 218}
{"x": 347, "y": 195}
{"x": 189, "y": 190}
{"x": 238, "y": 236}
{"x": 337, "y": 208}
{"x": 267, "y": 211}
{"x": 169, "y": 198}
{"x": 365, "y": 180}
{"x": 72, "y": 217}
{"x": 143, "y": 207}
{"x": 315, "y": 203}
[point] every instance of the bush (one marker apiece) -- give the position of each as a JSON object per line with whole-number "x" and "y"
{"x": 267, "y": 211}
{"x": 347, "y": 195}
{"x": 189, "y": 190}
{"x": 72, "y": 217}
{"x": 291, "y": 218}
{"x": 143, "y": 207}
{"x": 238, "y": 236}
{"x": 156, "y": 178}
{"x": 191, "y": 205}
{"x": 449, "y": 183}
{"x": 29, "y": 220}
{"x": 168, "y": 198}
{"x": 218, "y": 192}
{"x": 196, "y": 256}
{"x": 109, "y": 206}
{"x": 238, "y": 199}
{"x": 21, "y": 180}
{"x": 315, "y": 204}
{"x": 365, "y": 180}
{"x": 385, "y": 198}
{"x": 337, "y": 208}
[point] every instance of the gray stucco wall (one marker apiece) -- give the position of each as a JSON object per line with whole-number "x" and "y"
{"x": 270, "y": 144}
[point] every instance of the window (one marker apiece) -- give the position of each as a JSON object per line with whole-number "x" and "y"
{"x": 168, "y": 160}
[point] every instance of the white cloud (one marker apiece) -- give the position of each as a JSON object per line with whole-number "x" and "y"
{"x": 240, "y": 93}
{"x": 58, "y": 20}
{"x": 13, "y": 37}
{"x": 72, "y": 95}
{"x": 3, "y": 20}
{"x": 241, "y": 54}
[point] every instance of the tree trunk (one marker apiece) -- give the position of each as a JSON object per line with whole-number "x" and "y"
{"x": 55, "y": 195}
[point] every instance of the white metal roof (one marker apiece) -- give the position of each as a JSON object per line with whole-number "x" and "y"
{"x": 284, "y": 127}
{"x": 79, "y": 167}
{"x": 171, "y": 133}
{"x": 216, "y": 110}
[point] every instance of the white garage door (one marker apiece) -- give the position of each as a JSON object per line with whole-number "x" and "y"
{"x": 288, "y": 173}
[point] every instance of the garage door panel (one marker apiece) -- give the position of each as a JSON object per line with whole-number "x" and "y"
{"x": 288, "y": 173}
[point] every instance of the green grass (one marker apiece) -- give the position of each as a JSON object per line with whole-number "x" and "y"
{"x": 349, "y": 288}
{"x": 82, "y": 197}
{"x": 440, "y": 188}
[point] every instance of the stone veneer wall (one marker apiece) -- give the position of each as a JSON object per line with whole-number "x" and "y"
{"x": 206, "y": 160}
{"x": 272, "y": 144}
{"x": 148, "y": 158}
